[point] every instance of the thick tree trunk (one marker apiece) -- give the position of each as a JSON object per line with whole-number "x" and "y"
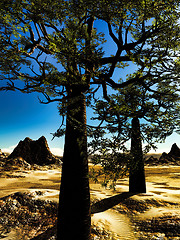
{"x": 137, "y": 182}
{"x": 74, "y": 221}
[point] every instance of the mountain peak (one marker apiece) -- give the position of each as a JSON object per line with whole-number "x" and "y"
{"x": 34, "y": 151}
{"x": 175, "y": 150}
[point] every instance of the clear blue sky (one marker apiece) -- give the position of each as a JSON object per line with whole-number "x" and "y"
{"x": 23, "y": 116}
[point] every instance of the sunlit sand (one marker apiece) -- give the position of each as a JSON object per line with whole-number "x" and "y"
{"x": 163, "y": 185}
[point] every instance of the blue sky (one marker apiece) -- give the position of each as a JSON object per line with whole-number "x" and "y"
{"x": 23, "y": 116}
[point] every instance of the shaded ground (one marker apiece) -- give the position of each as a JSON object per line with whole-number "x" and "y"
{"x": 23, "y": 216}
{"x": 115, "y": 214}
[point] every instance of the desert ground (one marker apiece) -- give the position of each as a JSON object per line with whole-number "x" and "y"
{"x": 115, "y": 214}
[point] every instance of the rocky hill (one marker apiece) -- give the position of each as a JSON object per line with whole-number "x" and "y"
{"x": 2, "y": 155}
{"x": 34, "y": 151}
{"x": 171, "y": 158}
{"x": 175, "y": 152}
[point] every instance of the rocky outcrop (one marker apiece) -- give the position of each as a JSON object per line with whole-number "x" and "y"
{"x": 16, "y": 163}
{"x": 26, "y": 216}
{"x": 34, "y": 151}
{"x": 175, "y": 152}
{"x": 2, "y": 155}
{"x": 151, "y": 161}
{"x": 171, "y": 158}
{"x": 166, "y": 159}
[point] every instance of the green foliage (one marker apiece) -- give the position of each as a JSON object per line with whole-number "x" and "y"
{"x": 31, "y": 29}
{"x": 109, "y": 167}
{"x": 142, "y": 29}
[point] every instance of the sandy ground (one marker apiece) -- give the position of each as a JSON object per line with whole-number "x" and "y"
{"x": 47, "y": 181}
{"x": 163, "y": 186}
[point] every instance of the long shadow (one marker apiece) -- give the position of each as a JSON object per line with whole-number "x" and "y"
{"x": 100, "y": 206}
{"x": 110, "y": 202}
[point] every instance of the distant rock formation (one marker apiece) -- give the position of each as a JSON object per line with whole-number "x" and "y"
{"x": 175, "y": 152}
{"x": 166, "y": 158}
{"x": 34, "y": 151}
{"x": 151, "y": 161}
{"x": 171, "y": 158}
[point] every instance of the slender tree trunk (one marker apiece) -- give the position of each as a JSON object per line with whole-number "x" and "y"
{"x": 137, "y": 182}
{"x": 74, "y": 220}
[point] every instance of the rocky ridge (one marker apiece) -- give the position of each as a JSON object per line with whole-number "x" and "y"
{"x": 172, "y": 158}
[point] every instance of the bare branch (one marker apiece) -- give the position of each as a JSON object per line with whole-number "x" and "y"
{"x": 43, "y": 30}
{"x": 146, "y": 35}
{"x": 115, "y": 39}
{"x": 105, "y": 95}
{"x": 127, "y": 31}
{"x": 35, "y": 44}
{"x": 120, "y": 34}
{"x": 107, "y": 60}
{"x": 49, "y": 100}
{"x": 37, "y": 30}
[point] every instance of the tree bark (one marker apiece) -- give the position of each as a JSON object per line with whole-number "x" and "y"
{"x": 137, "y": 182}
{"x": 74, "y": 219}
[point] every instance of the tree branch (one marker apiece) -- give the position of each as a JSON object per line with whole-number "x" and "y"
{"x": 115, "y": 39}
{"x": 49, "y": 100}
{"x": 107, "y": 60}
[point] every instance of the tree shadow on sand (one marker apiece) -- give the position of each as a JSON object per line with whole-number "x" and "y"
{"x": 97, "y": 207}
{"x": 110, "y": 202}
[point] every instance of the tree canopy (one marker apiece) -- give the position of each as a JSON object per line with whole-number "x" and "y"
{"x": 49, "y": 43}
